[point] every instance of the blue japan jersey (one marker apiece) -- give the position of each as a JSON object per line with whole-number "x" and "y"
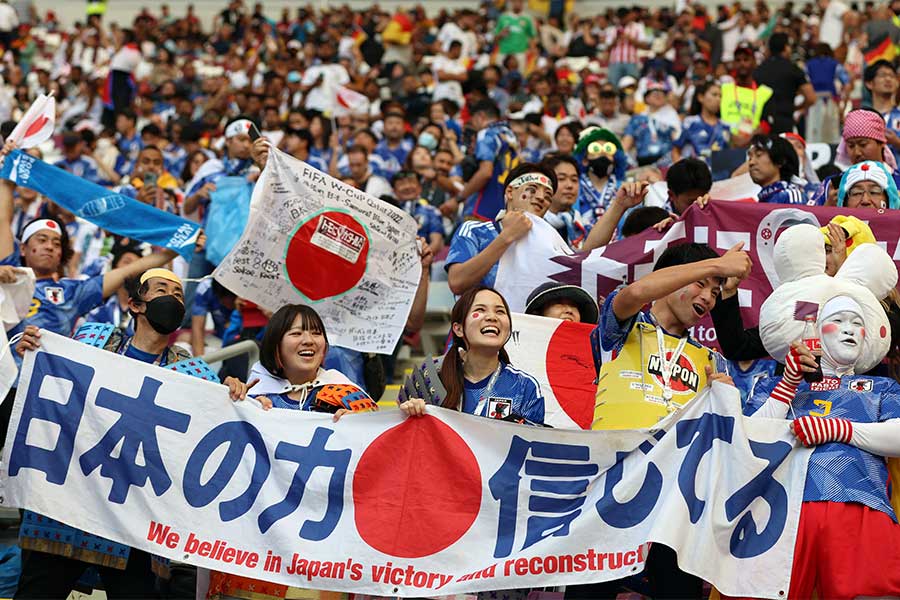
{"x": 495, "y": 143}
{"x": 698, "y": 137}
{"x": 393, "y": 159}
{"x": 427, "y": 216}
{"x": 206, "y": 302}
{"x": 892, "y": 119}
{"x": 56, "y": 305}
{"x": 514, "y": 392}
{"x": 84, "y": 167}
{"x": 471, "y": 238}
{"x": 841, "y": 472}
{"x": 651, "y": 137}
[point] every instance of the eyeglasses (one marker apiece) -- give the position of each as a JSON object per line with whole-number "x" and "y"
{"x": 873, "y": 194}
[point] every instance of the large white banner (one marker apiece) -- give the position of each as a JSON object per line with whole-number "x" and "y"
{"x": 314, "y": 240}
{"x": 380, "y": 504}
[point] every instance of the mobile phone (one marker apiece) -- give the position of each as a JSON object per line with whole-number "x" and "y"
{"x": 254, "y": 132}
{"x": 150, "y": 179}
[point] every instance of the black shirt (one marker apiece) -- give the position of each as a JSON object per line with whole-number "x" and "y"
{"x": 785, "y": 78}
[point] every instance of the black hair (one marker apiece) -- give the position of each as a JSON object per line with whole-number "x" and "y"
{"x": 641, "y": 218}
{"x": 487, "y": 107}
{"x": 66, "y": 245}
{"x": 573, "y": 127}
{"x": 367, "y": 132}
{"x": 687, "y": 175}
{"x": 221, "y": 292}
{"x": 524, "y": 168}
{"x": 683, "y": 254}
{"x": 701, "y": 89}
{"x": 186, "y": 175}
{"x": 151, "y": 129}
{"x": 278, "y": 326}
{"x": 557, "y": 158}
{"x": 129, "y": 114}
{"x": 872, "y": 70}
{"x": 781, "y": 153}
{"x": 777, "y": 43}
{"x": 303, "y": 134}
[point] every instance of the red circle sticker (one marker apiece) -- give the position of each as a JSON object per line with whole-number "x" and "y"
{"x": 326, "y": 255}
{"x": 416, "y": 489}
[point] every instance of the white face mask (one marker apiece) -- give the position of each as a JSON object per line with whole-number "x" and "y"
{"x": 842, "y": 335}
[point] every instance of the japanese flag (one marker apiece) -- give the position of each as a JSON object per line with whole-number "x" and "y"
{"x": 558, "y": 355}
{"x": 37, "y": 125}
{"x": 348, "y": 102}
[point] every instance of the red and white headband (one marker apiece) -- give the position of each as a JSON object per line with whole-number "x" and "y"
{"x": 526, "y": 178}
{"x": 39, "y": 225}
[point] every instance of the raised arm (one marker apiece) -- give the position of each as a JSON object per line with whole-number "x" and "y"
{"x": 115, "y": 279}
{"x": 655, "y": 285}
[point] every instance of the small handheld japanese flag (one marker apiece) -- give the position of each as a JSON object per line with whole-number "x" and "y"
{"x": 348, "y": 102}
{"x": 37, "y": 125}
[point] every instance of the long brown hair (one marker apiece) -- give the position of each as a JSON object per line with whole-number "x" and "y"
{"x": 452, "y": 368}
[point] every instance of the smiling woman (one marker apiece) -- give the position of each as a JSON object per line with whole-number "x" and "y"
{"x": 475, "y": 376}
{"x": 290, "y": 368}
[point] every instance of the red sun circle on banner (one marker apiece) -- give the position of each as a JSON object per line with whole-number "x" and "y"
{"x": 416, "y": 489}
{"x": 326, "y": 255}
{"x": 570, "y": 372}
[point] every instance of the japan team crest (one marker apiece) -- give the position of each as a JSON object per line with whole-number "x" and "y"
{"x": 55, "y": 295}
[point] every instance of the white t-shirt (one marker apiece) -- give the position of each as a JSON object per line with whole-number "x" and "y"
{"x": 831, "y": 30}
{"x": 8, "y": 18}
{"x": 378, "y": 187}
{"x": 448, "y": 90}
{"x": 126, "y": 59}
{"x": 321, "y": 97}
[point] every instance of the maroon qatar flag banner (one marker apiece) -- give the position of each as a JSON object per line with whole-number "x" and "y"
{"x": 721, "y": 224}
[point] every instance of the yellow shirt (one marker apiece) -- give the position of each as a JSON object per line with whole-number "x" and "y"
{"x": 742, "y": 107}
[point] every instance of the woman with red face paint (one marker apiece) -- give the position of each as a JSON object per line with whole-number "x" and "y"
{"x": 475, "y": 376}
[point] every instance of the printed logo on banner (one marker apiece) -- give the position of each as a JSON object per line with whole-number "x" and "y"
{"x": 331, "y": 244}
{"x": 55, "y": 295}
{"x": 685, "y": 379}
{"x": 99, "y": 206}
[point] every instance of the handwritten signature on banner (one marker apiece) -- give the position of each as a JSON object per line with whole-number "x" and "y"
{"x": 294, "y": 499}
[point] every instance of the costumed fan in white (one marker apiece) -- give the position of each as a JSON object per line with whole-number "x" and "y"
{"x": 848, "y": 542}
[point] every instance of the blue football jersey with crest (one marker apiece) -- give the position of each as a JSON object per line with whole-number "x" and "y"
{"x": 841, "y": 472}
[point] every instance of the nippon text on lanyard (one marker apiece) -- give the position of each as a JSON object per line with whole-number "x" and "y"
{"x": 667, "y": 365}
{"x": 488, "y": 390}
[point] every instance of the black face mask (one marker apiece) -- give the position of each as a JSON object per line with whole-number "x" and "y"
{"x": 165, "y": 314}
{"x": 601, "y": 166}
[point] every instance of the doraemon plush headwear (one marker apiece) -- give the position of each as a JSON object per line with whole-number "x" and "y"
{"x": 867, "y": 275}
{"x": 597, "y": 142}
{"x": 875, "y": 172}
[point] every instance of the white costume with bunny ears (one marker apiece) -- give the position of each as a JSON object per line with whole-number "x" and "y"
{"x": 853, "y": 420}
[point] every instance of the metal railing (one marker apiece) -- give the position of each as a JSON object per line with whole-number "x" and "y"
{"x": 247, "y": 347}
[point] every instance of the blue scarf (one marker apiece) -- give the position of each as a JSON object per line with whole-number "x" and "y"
{"x": 116, "y": 213}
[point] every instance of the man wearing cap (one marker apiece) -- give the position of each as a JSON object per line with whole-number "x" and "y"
{"x": 744, "y": 101}
{"x": 773, "y": 164}
{"x": 156, "y": 302}
{"x": 74, "y": 161}
{"x": 787, "y": 81}
{"x": 868, "y": 185}
{"x": 408, "y": 192}
{"x": 862, "y": 139}
{"x": 562, "y": 301}
{"x": 477, "y": 246}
